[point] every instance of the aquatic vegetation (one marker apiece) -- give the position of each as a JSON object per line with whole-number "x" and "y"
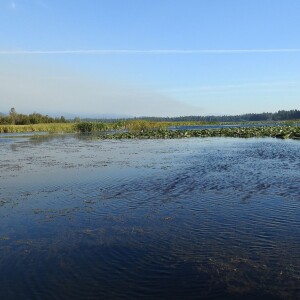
{"x": 128, "y": 125}
{"x": 139, "y": 129}
{"x": 90, "y": 127}
{"x": 283, "y": 132}
{"x": 144, "y": 126}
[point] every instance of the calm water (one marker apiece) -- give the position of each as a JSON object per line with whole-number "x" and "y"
{"x": 214, "y": 218}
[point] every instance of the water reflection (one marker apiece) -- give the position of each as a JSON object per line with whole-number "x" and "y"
{"x": 181, "y": 219}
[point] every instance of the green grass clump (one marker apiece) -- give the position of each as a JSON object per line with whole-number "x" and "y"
{"x": 129, "y": 125}
{"x": 49, "y": 127}
{"x": 143, "y": 126}
{"x": 85, "y": 127}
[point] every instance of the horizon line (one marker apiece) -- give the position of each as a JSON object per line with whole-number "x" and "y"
{"x": 147, "y": 51}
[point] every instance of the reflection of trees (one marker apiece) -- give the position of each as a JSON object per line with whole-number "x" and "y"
{"x": 36, "y": 139}
{"x": 17, "y": 142}
{"x": 40, "y": 139}
{"x": 45, "y": 138}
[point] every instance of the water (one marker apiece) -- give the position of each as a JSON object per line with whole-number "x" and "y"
{"x": 215, "y": 218}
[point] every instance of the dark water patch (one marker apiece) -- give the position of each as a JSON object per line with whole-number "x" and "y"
{"x": 188, "y": 219}
{"x": 22, "y": 134}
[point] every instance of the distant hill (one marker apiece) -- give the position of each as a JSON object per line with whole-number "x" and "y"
{"x": 2, "y": 114}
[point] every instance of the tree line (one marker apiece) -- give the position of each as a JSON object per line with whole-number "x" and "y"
{"x": 14, "y": 118}
{"x": 281, "y": 115}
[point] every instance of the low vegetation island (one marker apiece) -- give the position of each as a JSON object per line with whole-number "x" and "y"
{"x": 149, "y": 128}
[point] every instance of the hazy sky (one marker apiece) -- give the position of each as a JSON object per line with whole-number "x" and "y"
{"x": 149, "y": 57}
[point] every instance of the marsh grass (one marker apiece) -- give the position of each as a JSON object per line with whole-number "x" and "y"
{"x": 139, "y": 129}
{"x": 86, "y": 127}
{"x": 128, "y": 125}
{"x": 49, "y": 127}
{"x": 133, "y": 125}
{"x": 144, "y": 126}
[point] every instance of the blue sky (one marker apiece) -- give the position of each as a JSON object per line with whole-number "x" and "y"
{"x": 154, "y": 62}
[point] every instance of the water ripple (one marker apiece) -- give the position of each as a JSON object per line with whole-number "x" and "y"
{"x": 189, "y": 219}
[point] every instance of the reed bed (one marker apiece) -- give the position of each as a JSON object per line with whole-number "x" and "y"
{"x": 128, "y": 125}
{"x": 138, "y": 129}
{"x": 49, "y": 127}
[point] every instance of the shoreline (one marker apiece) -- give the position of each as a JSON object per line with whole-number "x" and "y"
{"x": 282, "y": 132}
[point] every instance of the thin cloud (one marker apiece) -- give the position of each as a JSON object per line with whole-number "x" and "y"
{"x": 149, "y": 51}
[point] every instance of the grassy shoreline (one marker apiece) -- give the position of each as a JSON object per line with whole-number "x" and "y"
{"x": 49, "y": 127}
{"x": 144, "y": 130}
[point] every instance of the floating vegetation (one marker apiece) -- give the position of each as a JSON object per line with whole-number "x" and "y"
{"x": 283, "y": 132}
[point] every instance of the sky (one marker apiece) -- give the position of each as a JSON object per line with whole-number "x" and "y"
{"x": 149, "y": 57}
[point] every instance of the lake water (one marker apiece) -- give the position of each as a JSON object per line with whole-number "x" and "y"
{"x": 215, "y": 218}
